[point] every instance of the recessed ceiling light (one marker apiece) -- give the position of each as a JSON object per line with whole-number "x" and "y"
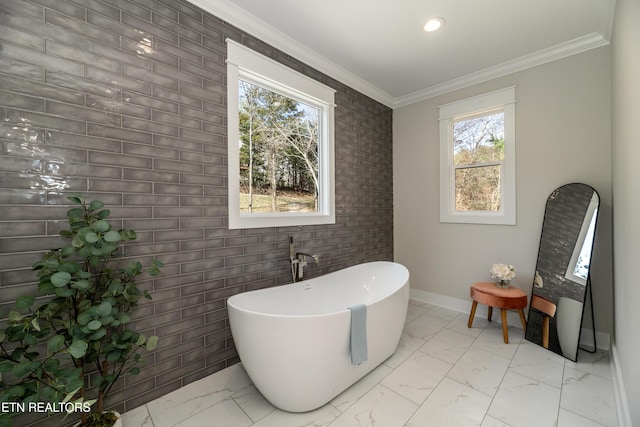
{"x": 433, "y": 24}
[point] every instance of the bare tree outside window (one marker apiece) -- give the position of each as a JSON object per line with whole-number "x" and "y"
{"x": 478, "y": 149}
{"x": 278, "y": 152}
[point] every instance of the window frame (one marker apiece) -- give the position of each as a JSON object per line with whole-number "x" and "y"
{"x": 503, "y": 99}
{"x": 248, "y": 65}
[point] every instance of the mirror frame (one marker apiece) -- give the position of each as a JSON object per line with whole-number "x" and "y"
{"x": 562, "y": 301}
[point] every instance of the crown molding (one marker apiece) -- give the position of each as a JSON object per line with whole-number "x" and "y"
{"x": 563, "y": 50}
{"x": 235, "y": 15}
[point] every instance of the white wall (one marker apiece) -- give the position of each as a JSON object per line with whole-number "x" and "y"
{"x": 563, "y": 133}
{"x": 626, "y": 195}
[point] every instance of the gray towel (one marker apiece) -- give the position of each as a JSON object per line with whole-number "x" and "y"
{"x": 358, "y": 334}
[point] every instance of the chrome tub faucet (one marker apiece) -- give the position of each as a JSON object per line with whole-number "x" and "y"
{"x": 299, "y": 261}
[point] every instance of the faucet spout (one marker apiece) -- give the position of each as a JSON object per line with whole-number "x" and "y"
{"x": 301, "y": 256}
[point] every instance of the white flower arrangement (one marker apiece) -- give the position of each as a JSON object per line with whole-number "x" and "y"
{"x": 503, "y": 272}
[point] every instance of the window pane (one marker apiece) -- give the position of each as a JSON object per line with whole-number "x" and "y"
{"x": 278, "y": 152}
{"x": 479, "y": 140}
{"x": 478, "y": 189}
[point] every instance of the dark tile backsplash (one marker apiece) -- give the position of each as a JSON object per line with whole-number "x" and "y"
{"x": 125, "y": 101}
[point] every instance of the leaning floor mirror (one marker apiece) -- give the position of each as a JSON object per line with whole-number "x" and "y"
{"x": 562, "y": 277}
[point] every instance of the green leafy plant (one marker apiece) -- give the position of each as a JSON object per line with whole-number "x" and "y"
{"x": 79, "y": 326}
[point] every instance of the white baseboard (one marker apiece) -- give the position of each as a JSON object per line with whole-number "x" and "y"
{"x": 460, "y": 305}
{"x": 619, "y": 392}
{"x": 513, "y": 319}
{"x": 444, "y": 301}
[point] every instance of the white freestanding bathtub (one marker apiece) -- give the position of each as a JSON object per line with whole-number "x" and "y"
{"x": 294, "y": 340}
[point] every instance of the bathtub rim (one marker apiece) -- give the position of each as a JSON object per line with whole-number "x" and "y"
{"x": 232, "y": 305}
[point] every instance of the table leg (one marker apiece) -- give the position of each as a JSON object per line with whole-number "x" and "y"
{"x": 522, "y": 319}
{"x": 472, "y": 314}
{"x": 505, "y": 327}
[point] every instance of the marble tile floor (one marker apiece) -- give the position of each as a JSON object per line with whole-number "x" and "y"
{"x": 442, "y": 374}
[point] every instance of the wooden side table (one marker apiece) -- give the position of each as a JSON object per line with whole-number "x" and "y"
{"x": 489, "y": 294}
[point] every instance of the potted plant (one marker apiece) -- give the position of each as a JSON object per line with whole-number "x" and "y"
{"x": 77, "y": 327}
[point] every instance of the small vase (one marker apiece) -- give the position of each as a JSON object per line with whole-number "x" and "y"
{"x": 503, "y": 284}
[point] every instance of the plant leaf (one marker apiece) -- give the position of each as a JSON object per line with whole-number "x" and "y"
{"x": 52, "y": 365}
{"x": 82, "y": 285}
{"x": 30, "y": 340}
{"x": 113, "y": 356}
{"x": 73, "y": 383}
{"x": 60, "y": 279}
{"x": 101, "y": 226}
{"x": 108, "y": 379}
{"x": 64, "y": 292}
{"x": 98, "y": 334}
{"x": 126, "y": 335}
{"x": 84, "y": 251}
{"x": 55, "y": 343}
{"x": 69, "y": 396}
{"x": 78, "y": 348}
{"x": 128, "y": 234}
{"x": 25, "y": 302}
{"x": 95, "y": 205}
{"x": 94, "y": 325}
{"x": 75, "y": 213}
{"x": 107, "y": 320}
{"x": 104, "y": 308}
{"x": 84, "y": 317}
{"x": 69, "y": 250}
{"x": 112, "y": 236}
{"x": 108, "y": 248}
{"x": 75, "y": 199}
{"x": 152, "y": 343}
{"x": 69, "y": 267}
{"x": 15, "y": 391}
{"x": 91, "y": 237}
{"x": 15, "y": 317}
{"x": 23, "y": 368}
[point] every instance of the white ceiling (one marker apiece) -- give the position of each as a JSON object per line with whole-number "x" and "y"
{"x": 379, "y": 48}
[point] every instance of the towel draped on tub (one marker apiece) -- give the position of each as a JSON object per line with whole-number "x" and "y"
{"x": 358, "y": 334}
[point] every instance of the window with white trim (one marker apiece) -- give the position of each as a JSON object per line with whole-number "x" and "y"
{"x": 477, "y": 159}
{"x": 280, "y": 145}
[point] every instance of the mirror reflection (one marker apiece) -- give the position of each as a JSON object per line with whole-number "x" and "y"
{"x": 562, "y": 274}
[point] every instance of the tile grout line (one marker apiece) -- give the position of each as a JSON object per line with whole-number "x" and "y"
{"x": 564, "y": 369}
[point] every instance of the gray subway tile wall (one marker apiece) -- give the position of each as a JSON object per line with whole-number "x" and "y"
{"x": 125, "y": 101}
